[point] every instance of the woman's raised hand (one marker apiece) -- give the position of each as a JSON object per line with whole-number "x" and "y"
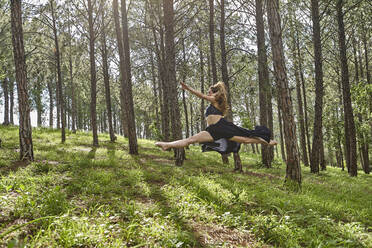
{"x": 184, "y": 86}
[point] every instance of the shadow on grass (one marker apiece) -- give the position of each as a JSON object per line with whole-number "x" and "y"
{"x": 14, "y": 167}
{"x": 111, "y": 151}
{"x": 92, "y": 153}
{"x": 156, "y": 194}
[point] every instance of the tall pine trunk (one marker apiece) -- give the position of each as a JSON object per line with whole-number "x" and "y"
{"x": 263, "y": 78}
{"x": 6, "y": 99}
{"x": 318, "y": 108}
{"x": 106, "y": 79}
{"x": 72, "y": 85}
{"x": 202, "y": 83}
{"x": 51, "y": 105}
{"x": 132, "y": 137}
{"x": 296, "y": 61}
{"x": 25, "y": 129}
{"x": 348, "y": 115}
{"x": 93, "y": 75}
{"x": 11, "y": 99}
{"x": 60, "y": 102}
{"x": 293, "y": 171}
{"x": 225, "y": 78}
{"x": 170, "y": 62}
{"x": 184, "y": 69}
{"x": 211, "y": 42}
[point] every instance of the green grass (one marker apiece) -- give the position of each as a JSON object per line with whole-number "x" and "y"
{"x": 75, "y": 195}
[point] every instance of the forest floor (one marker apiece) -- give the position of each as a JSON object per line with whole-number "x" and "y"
{"x": 75, "y": 195}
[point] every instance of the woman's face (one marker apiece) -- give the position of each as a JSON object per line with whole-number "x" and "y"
{"x": 210, "y": 92}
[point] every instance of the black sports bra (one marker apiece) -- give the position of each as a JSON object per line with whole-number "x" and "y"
{"x": 212, "y": 110}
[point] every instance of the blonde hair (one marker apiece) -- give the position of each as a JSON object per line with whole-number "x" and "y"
{"x": 221, "y": 96}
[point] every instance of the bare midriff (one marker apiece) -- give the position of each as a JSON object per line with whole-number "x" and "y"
{"x": 213, "y": 119}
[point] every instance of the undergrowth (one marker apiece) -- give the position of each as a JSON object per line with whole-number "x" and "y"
{"x": 75, "y": 195}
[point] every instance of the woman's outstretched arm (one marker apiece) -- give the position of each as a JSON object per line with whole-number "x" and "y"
{"x": 209, "y": 98}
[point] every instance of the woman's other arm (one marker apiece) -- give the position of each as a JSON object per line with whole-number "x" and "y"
{"x": 197, "y": 93}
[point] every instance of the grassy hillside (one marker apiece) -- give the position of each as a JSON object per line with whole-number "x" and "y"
{"x": 74, "y": 195}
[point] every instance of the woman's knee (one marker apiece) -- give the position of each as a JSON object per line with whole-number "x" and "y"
{"x": 191, "y": 140}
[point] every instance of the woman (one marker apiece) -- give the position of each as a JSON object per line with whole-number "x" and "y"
{"x": 218, "y": 127}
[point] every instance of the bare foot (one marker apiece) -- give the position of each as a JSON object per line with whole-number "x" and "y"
{"x": 273, "y": 143}
{"x": 162, "y": 145}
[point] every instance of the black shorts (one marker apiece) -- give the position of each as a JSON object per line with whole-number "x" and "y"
{"x": 227, "y": 130}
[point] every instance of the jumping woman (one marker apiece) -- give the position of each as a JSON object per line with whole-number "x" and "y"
{"x": 217, "y": 126}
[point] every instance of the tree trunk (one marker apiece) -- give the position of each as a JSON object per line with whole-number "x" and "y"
{"x": 38, "y": 101}
{"x": 72, "y": 86}
{"x": 211, "y": 42}
{"x": 170, "y": 62}
{"x": 133, "y": 147}
{"x": 57, "y": 102}
{"x": 25, "y": 129}
{"x": 156, "y": 105}
{"x": 60, "y": 102}
{"x": 318, "y": 108}
{"x": 183, "y": 91}
{"x": 349, "y": 117}
{"x": 51, "y": 106}
{"x": 293, "y": 171}
{"x": 263, "y": 78}
{"x": 250, "y": 116}
{"x": 106, "y": 79}
{"x": 298, "y": 72}
{"x": 6, "y": 99}
{"x": 202, "y": 83}
{"x": 191, "y": 120}
{"x": 11, "y": 96}
{"x": 225, "y": 77}
{"x": 280, "y": 120}
{"x": 363, "y": 148}
{"x": 163, "y": 87}
{"x": 93, "y": 75}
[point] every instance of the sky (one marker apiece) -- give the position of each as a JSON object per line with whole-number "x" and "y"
{"x": 33, "y": 117}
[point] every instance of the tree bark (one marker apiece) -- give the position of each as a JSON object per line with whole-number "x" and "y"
{"x": 170, "y": 62}
{"x": 225, "y": 78}
{"x": 301, "y": 120}
{"x": 25, "y": 129}
{"x": 363, "y": 148}
{"x": 6, "y": 103}
{"x": 93, "y": 75}
{"x": 57, "y": 101}
{"x": 155, "y": 90}
{"x": 183, "y": 91}
{"x": 119, "y": 38}
{"x": 163, "y": 87}
{"x": 191, "y": 120}
{"x": 106, "y": 79}
{"x": 202, "y": 83}
{"x": 51, "y": 106}
{"x": 38, "y": 101}
{"x": 133, "y": 147}
{"x": 60, "y": 102}
{"x": 211, "y": 42}
{"x": 280, "y": 120}
{"x": 293, "y": 171}
{"x": 72, "y": 86}
{"x": 318, "y": 108}
{"x": 263, "y": 78}
{"x": 349, "y": 116}
{"x": 11, "y": 98}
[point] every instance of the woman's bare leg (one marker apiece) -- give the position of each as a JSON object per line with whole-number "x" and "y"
{"x": 201, "y": 137}
{"x": 253, "y": 140}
